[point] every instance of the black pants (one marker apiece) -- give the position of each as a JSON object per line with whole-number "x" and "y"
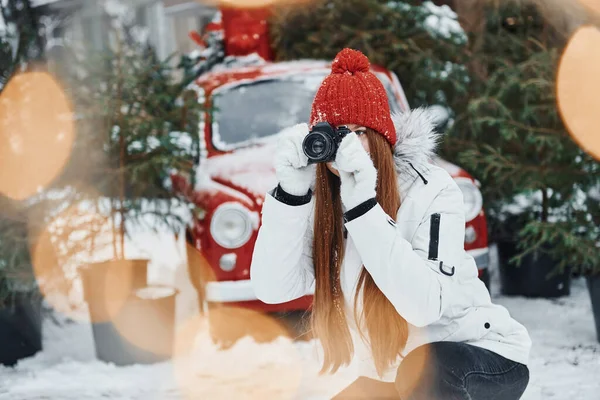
{"x": 448, "y": 371}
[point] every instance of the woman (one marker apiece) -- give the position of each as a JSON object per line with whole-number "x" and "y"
{"x": 381, "y": 243}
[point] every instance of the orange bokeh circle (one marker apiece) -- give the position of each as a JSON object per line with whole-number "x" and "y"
{"x": 65, "y": 259}
{"x": 236, "y": 344}
{"x": 593, "y": 5}
{"x": 36, "y": 133}
{"x": 578, "y": 87}
{"x": 147, "y": 318}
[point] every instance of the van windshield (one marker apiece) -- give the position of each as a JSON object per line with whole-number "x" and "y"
{"x": 251, "y": 111}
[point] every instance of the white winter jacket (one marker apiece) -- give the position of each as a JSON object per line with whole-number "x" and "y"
{"x": 418, "y": 261}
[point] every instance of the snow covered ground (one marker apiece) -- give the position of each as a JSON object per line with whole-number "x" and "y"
{"x": 565, "y": 361}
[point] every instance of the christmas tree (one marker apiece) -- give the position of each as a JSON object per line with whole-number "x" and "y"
{"x": 22, "y": 37}
{"x": 138, "y": 124}
{"x": 508, "y": 132}
{"x": 418, "y": 41}
{"x": 22, "y": 44}
{"x": 498, "y": 81}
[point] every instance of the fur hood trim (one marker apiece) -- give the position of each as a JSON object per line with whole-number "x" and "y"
{"x": 416, "y": 141}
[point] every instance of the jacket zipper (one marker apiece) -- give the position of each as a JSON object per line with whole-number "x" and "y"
{"x": 425, "y": 181}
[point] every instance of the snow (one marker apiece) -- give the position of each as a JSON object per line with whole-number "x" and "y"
{"x": 594, "y": 192}
{"x": 155, "y": 292}
{"x": 250, "y": 168}
{"x": 565, "y": 356}
{"x": 146, "y": 239}
{"x": 565, "y": 360}
{"x": 37, "y": 3}
{"x": 239, "y": 63}
{"x": 298, "y": 65}
{"x": 525, "y": 202}
{"x": 521, "y": 203}
{"x": 443, "y": 21}
{"x": 205, "y": 184}
{"x": 121, "y": 13}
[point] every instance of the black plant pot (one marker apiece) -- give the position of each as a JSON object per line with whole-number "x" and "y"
{"x": 593, "y": 284}
{"x": 20, "y": 328}
{"x": 141, "y": 331}
{"x": 531, "y": 277}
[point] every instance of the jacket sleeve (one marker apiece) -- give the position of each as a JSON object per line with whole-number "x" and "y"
{"x": 282, "y": 264}
{"x": 415, "y": 277}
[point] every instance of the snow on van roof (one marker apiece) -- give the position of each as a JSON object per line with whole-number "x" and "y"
{"x": 252, "y": 66}
{"x": 254, "y": 62}
{"x": 37, "y": 3}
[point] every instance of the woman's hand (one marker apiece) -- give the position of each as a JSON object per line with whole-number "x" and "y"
{"x": 294, "y": 174}
{"x": 357, "y": 173}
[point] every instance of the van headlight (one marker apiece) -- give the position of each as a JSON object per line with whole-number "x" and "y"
{"x": 472, "y": 197}
{"x": 231, "y": 225}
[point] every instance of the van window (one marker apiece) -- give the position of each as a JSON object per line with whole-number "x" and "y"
{"x": 251, "y": 111}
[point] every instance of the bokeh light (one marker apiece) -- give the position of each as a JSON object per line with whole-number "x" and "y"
{"x": 108, "y": 286}
{"x": 578, "y": 88}
{"x": 415, "y": 373}
{"x": 65, "y": 241}
{"x": 228, "y": 346}
{"x": 36, "y": 133}
{"x": 229, "y": 324}
{"x": 593, "y": 5}
{"x": 147, "y": 319}
{"x": 51, "y": 276}
{"x": 69, "y": 264}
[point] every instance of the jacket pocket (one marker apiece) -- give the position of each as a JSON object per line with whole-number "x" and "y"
{"x": 499, "y": 320}
{"x": 474, "y": 325}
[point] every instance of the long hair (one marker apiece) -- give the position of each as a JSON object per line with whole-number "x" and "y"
{"x": 386, "y": 331}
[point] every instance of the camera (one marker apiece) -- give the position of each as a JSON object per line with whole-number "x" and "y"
{"x": 322, "y": 142}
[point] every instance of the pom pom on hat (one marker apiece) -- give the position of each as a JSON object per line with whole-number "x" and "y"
{"x": 349, "y": 60}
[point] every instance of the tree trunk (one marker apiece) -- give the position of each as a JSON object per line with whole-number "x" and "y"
{"x": 121, "y": 151}
{"x": 471, "y": 16}
{"x": 545, "y": 205}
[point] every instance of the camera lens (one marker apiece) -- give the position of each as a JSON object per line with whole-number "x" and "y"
{"x": 318, "y": 147}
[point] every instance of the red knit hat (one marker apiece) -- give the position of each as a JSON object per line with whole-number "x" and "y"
{"x": 352, "y": 94}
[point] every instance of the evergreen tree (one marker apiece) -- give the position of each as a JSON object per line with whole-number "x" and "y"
{"x": 136, "y": 125}
{"x": 407, "y": 37}
{"x": 509, "y": 134}
{"x": 500, "y": 87}
{"x": 22, "y": 41}
{"x": 21, "y": 47}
